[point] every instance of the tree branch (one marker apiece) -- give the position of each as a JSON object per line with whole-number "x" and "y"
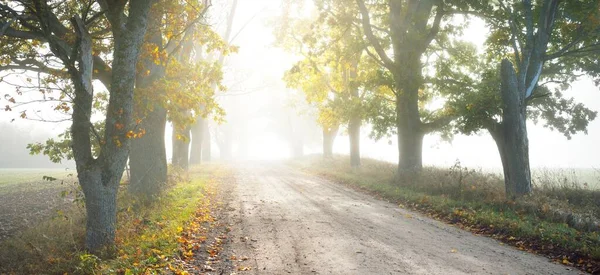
{"x": 366, "y": 22}
{"x": 435, "y": 28}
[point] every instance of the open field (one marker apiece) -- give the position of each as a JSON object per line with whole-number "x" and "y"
{"x": 582, "y": 177}
{"x": 15, "y": 176}
{"x": 28, "y": 199}
{"x": 576, "y": 177}
{"x": 148, "y": 237}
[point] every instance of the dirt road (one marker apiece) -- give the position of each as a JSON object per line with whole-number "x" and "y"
{"x": 288, "y": 222}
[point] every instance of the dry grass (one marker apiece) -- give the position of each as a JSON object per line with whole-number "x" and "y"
{"x": 552, "y": 189}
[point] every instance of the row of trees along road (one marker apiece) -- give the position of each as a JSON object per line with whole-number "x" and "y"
{"x": 151, "y": 58}
{"x": 385, "y": 61}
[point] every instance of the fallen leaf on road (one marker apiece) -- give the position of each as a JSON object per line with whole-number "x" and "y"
{"x": 244, "y": 268}
{"x": 453, "y": 250}
{"x": 207, "y": 268}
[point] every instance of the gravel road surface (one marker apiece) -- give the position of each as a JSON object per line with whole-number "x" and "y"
{"x": 289, "y": 222}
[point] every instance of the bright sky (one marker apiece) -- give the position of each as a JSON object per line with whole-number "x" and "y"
{"x": 547, "y": 148}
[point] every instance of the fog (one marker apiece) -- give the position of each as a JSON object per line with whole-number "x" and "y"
{"x": 266, "y": 120}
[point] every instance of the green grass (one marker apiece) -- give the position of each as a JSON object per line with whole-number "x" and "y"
{"x": 475, "y": 200}
{"x": 147, "y": 236}
{"x": 150, "y": 237}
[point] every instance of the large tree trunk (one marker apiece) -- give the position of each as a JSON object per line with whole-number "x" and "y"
{"x": 354, "y": 134}
{"x": 197, "y": 141}
{"x": 101, "y": 207}
{"x": 148, "y": 157}
{"x": 512, "y": 139}
{"x": 181, "y": 146}
{"x": 408, "y": 119}
{"x": 100, "y": 177}
{"x": 354, "y": 122}
{"x": 329, "y": 135}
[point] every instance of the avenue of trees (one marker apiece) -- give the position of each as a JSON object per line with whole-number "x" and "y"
{"x": 118, "y": 70}
{"x": 383, "y": 62}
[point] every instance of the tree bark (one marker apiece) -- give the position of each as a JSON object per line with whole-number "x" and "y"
{"x": 329, "y": 135}
{"x": 512, "y": 139}
{"x": 197, "y": 132}
{"x": 408, "y": 119}
{"x": 354, "y": 135}
{"x": 101, "y": 207}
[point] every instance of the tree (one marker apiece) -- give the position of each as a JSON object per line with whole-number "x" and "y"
{"x": 153, "y": 97}
{"x": 189, "y": 86}
{"x": 408, "y": 28}
{"x": 148, "y": 159}
{"x": 39, "y": 25}
{"x": 331, "y": 75}
{"x": 552, "y": 42}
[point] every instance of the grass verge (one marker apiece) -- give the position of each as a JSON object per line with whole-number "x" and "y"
{"x": 475, "y": 201}
{"x": 148, "y": 238}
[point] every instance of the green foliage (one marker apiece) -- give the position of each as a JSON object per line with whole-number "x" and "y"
{"x": 335, "y": 74}
{"x": 88, "y": 264}
{"x": 59, "y": 149}
{"x": 186, "y": 84}
{"x": 471, "y": 82}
